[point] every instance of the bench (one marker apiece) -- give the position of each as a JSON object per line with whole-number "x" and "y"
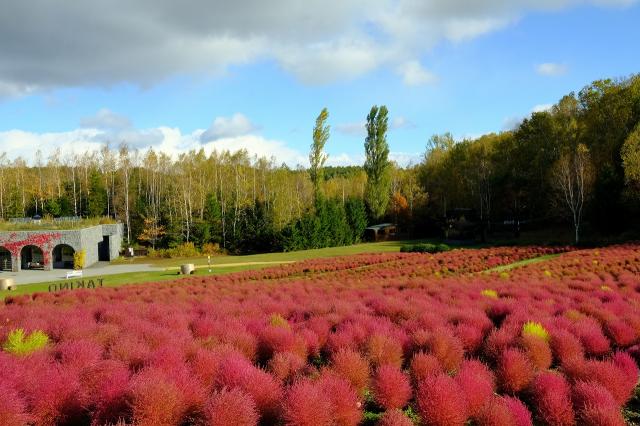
{"x": 74, "y": 274}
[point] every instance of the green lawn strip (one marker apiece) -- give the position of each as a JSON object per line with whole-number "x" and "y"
{"x": 381, "y": 247}
{"x": 521, "y": 263}
{"x": 117, "y": 280}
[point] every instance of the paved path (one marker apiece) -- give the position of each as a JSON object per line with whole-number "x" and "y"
{"x": 100, "y": 268}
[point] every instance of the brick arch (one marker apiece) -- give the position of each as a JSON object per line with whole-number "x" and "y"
{"x": 31, "y": 253}
{"x": 6, "y": 259}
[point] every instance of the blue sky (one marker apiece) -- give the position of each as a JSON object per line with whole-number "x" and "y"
{"x": 469, "y": 72}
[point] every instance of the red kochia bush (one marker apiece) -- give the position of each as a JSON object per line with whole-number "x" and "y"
{"x": 440, "y": 402}
{"x": 353, "y": 367}
{"x": 595, "y": 405}
{"x": 537, "y": 350}
{"x": 394, "y": 418}
{"x": 495, "y": 413}
{"x": 477, "y": 383}
{"x": 230, "y": 408}
{"x": 447, "y": 348}
{"x": 520, "y": 412}
{"x": 391, "y": 387}
{"x": 514, "y": 371}
{"x": 12, "y": 407}
{"x": 618, "y": 382}
{"x": 565, "y": 346}
{"x": 552, "y": 396}
{"x": 384, "y": 349}
{"x": 423, "y": 366}
{"x": 306, "y": 404}
{"x": 155, "y": 400}
{"x": 346, "y": 406}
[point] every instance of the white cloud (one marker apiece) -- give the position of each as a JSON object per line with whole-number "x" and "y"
{"x": 146, "y": 41}
{"x": 542, "y": 108}
{"x": 228, "y": 127}
{"x": 401, "y": 122}
{"x": 551, "y": 69}
{"x": 106, "y": 119}
{"x": 414, "y": 74}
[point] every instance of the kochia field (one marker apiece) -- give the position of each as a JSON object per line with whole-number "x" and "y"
{"x": 385, "y": 339}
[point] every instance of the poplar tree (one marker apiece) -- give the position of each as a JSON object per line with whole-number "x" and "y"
{"x": 317, "y": 156}
{"x": 377, "y": 164}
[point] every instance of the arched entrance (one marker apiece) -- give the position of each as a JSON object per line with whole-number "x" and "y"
{"x": 63, "y": 256}
{"x": 5, "y": 259}
{"x": 32, "y": 257}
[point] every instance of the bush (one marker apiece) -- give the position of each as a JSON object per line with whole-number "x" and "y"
{"x": 17, "y": 344}
{"x": 79, "y": 259}
{"x": 424, "y": 248}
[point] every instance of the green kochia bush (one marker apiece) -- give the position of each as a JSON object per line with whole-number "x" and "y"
{"x": 424, "y": 248}
{"x": 19, "y": 344}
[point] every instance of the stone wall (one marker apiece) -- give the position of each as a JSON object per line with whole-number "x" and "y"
{"x": 86, "y": 239}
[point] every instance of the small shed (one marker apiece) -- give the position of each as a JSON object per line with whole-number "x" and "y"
{"x": 381, "y": 232}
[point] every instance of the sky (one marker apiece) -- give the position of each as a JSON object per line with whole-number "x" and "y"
{"x": 250, "y": 74}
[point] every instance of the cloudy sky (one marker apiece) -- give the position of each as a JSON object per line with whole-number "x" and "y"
{"x": 254, "y": 74}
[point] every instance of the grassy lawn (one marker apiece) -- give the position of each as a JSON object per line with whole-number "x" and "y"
{"x": 522, "y": 263}
{"x": 219, "y": 263}
{"x": 381, "y": 247}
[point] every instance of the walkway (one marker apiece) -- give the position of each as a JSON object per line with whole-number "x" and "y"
{"x": 99, "y": 269}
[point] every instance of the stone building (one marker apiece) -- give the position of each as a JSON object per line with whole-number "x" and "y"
{"x": 49, "y": 249}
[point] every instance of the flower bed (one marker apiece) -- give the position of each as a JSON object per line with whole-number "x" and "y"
{"x": 385, "y": 339}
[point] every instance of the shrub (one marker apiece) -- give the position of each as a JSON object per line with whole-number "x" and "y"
{"x": 347, "y": 409}
{"x": 79, "y": 259}
{"x": 492, "y": 294}
{"x": 230, "y": 408}
{"x": 595, "y": 405}
{"x": 13, "y": 410}
{"x": 495, "y": 413}
{"x": 20, "y": 345}
{"x": 394, "y": 418}
{"x": 424, "y": 248}
{"x": 514, "y": 371}
{"x": 566, "y": 346}
{"x": 383, "y": 349}
{"x": 477, "y": 383}
{"x": 155, "y": 400}
{"x": 519, "y": 411}
{"x": 447, "y": 348}
{"x": 391, "y": 387}
{"x": 552, "y": 396}
{"x": 353, "y": 367}
{"x": 306, "y": 404}
{"x": 537, "y": 350}
{"x": 440, "y": 402}
{"x": 423, "y": 366}
{"x": 535, "y": 329}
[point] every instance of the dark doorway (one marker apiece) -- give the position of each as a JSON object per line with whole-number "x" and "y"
{"x": 103, "y": 249}
{"x": 5, "y": 259}
{"x": 63, "y": 256}
{"x": 31, "y": 257}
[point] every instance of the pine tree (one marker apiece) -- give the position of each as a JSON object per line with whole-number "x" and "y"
{"x": 377, "y": 163}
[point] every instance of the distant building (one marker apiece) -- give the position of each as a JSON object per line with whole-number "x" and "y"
{"x": 49, "y": 249}
{"x": 381, "y": 232}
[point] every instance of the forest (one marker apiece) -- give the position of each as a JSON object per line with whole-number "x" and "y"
{"x": 575, "y": 165}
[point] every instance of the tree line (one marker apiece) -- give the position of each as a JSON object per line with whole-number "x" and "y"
{"x": 242, "y": 203}
{"x": 577, "y": 163}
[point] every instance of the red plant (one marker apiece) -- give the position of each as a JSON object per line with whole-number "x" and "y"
{"x": 394, "y": 418}
{"x": 495, "y": 413}
{"x": 353, "y": 367}
{"x": 477, "y": 383}
{"x": 155, "y": 400}
{"x": 621, "y": 333}
{"x": 519, "y": 411}
{"x": 447, "y": 348}
{"x": 306, "y": 404}
{"x": 384, "y": 349}
{"x": 391, "y": 387}
{"x": 538, "y": 351}
{"x": 13, "y": 410}
{"x": 514, "y": 371}
{"x": 285, "y": 365}
{"x": 565, "y": 345}
{"x": 423, "y": 366}
{"x": 595, "y": 405}
{"x": 440, "y": 402}
{"x": 346, "y": 406}
{"x": 552, "y": 396}
{"x": 230, "y": 408}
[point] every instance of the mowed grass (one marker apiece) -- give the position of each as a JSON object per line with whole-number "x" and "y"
{"x": 381, "y": 247}
{"x": 520, "y": 263}
{"x": 220, "y": 265}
